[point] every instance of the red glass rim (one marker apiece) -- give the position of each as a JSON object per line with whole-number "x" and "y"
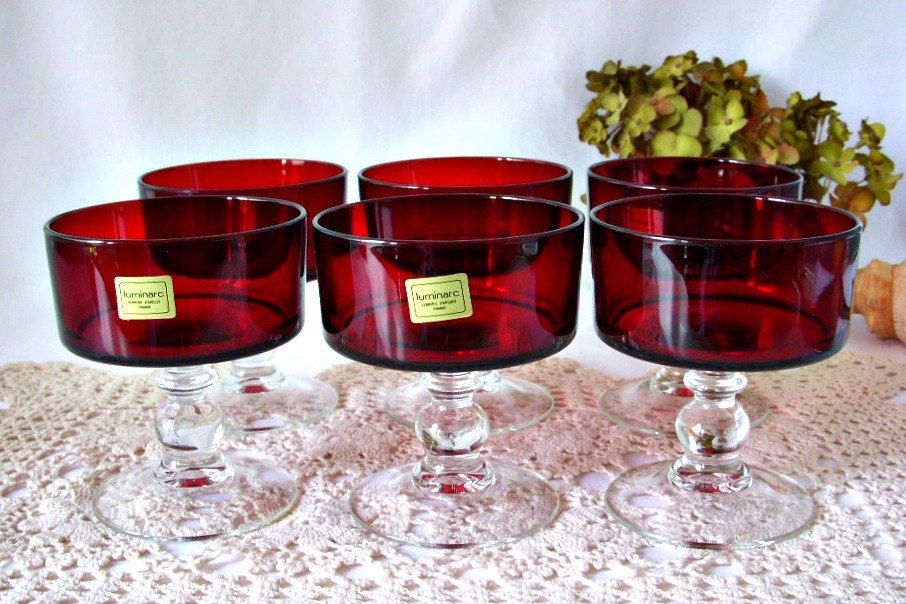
{"x": 331, "y": 221}
{"x": 427, "y": 172}
{"x": 240, "y": 175}
{"x": 105, "y": 223}
{"x": 843, "y": 224}
{"x": 620, "y": 172}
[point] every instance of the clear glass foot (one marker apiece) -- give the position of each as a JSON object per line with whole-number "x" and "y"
{"x": 709, "y": 498}
{"x": 516, "y": 504}
{"x": 195, "y": 491}
{"x": 454, "y": 497}
{"x": 258, "y": 397}
{"x": 135, "y": 504}
{"x": 772, "y": 508}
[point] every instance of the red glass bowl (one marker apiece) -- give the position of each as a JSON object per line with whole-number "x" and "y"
{"x": 177, "y": 281}
{"x": 478, "y": 174}
{"x": 519, "y": 258}
{"x": 629, "y": 177}
{"x": 723, "y": 282}
{"x": 315, "y": 185}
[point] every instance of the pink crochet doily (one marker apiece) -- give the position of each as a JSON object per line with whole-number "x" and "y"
{"x": 840, "y": 430}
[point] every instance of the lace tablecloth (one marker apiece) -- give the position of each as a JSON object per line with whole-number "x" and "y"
{"x": 840, "y": 430}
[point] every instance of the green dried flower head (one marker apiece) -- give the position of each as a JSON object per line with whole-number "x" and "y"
{"x": 726, "y": 116}
{"x": 693, "y": 108}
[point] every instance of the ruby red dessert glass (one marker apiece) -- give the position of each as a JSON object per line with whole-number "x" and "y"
{"x": 451, "y": 285}
{"x": 511, "y": 403}
{"x": 260, "y": 396}
{"x": 182, "y": 283}
{"x": 721, "y": 284}
{"x": 649, "y": 405}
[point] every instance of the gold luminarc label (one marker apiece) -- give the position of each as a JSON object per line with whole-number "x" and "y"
{"x": 442, "y": 298}
{"x": 144, "y": 298}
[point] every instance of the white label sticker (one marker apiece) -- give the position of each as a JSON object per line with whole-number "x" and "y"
{"x": 443, "y": 298}
{"x": 143, "y": 298}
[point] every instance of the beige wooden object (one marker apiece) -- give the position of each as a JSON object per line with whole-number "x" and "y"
{"x": 880, "y": 295}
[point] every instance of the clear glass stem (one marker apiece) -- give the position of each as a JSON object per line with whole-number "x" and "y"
{"x": 490, "y": 380}
{"x": 254, "y": 374}
{"x": 712, "y": 428}
{"x": 452, "y": 428}
{"x": 669, "y": 380}
{"x": 189, "y": 426}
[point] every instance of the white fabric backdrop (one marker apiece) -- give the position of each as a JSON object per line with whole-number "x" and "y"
{"x": 92, "y": 94}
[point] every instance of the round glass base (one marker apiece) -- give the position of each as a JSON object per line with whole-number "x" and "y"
{"x": 773, "y": 508}
{"x": 516, "y": 505}
{"x": 511, "y": 403}
{"x": 635, "y": 405}
{"x": 254, "y": 405}
{"x": 136, "y": 504}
